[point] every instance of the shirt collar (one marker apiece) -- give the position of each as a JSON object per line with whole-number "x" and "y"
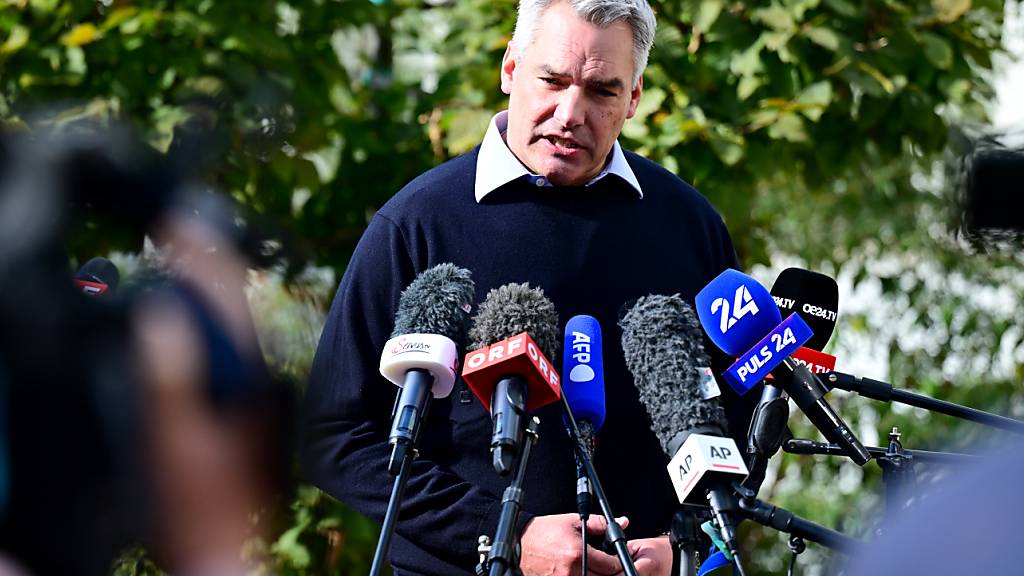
{"x": 497, "y": 166}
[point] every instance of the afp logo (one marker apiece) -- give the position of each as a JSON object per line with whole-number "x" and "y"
{"x": 742, "y": 305}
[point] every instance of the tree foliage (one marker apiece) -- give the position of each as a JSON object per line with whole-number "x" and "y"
{"x": 825, "y": 131}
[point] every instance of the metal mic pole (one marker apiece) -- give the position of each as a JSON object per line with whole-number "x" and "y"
{"x": 503, "y": 551}
{"x": 883, "y": 391}
{"x": 615, "y": 533}
{"x": 391, "y": 516}
{"x": 403, "y": 451}
{"x": 785, "y": 521}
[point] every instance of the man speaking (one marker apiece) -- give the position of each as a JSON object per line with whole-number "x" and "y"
{"x": 550, "y": 198}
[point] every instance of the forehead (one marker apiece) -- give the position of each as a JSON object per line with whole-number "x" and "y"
{"x": 567, "y": 43}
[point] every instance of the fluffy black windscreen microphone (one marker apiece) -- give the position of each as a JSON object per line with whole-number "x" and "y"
{"x": 515, "y": 308}
{"x": 438, "y": 301}
{"x": 663, "y": 347}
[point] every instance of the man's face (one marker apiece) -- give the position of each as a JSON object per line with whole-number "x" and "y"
{"x": 569, "y": 94}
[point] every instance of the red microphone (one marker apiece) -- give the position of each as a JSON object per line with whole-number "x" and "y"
{"x": 518, "y": 355}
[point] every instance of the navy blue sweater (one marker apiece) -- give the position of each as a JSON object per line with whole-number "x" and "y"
{"x": 592, "y": 250}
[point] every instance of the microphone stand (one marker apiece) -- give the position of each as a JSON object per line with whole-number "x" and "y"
{"x": 885, "y": 392}
{"x": 785, "y": 521}
{"x": 501, "y": 555}
{"x": 810, "y": 447}
{"x": 615, "y": 534}
{"x": 896, "y": 462}
{"x": 400, "y": 464}
{"x": 684, "y": 534}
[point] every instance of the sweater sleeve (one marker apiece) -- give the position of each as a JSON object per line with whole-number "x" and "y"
{"x": 348, "y": 407}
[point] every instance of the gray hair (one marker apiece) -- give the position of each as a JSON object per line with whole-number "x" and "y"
{"x": 601, "y": 13}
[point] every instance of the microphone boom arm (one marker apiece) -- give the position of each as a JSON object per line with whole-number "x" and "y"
{"x": 615, "y": 534}
{"x": 885, "y": 392}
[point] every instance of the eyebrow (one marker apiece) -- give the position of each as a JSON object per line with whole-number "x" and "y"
{"x": 608, "y": 84}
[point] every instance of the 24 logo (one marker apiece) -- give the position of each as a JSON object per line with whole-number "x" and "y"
{"x": 742, "y": 305}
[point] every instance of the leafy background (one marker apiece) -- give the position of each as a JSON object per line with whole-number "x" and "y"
{"x": 827, "y": 132}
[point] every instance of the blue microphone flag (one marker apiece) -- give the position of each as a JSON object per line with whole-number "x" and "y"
{"x": 583, "y": 370}
{"x": 736, "y": 311}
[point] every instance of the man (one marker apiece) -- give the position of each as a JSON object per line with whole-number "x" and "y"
{"x": 551, "y": 199}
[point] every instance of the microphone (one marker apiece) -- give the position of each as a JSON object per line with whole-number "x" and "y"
{"x": 749, "y": 328}
{"x": 97, "y": 277}
{"x": 662, "y": 345}
{"x": 583, "y": 386}
{"x": 815, "y": 297}
{"x": 422, "y": 355}
{"x": 513, "y": 335}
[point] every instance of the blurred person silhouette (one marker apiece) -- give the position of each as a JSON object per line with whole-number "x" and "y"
{"x": 149, "y": 417}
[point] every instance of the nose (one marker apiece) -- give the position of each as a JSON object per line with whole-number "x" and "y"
{"x": 571, "y": 108}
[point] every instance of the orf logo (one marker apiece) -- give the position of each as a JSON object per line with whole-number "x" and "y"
{"x": 742, "y": 305}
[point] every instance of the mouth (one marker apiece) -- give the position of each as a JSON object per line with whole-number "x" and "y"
{"x": 562, "y": 146}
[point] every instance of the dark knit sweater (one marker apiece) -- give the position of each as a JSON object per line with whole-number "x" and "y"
{"x": 591, "y": 250}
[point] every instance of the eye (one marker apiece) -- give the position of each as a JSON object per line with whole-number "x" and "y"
{"x": 549, "y": 80}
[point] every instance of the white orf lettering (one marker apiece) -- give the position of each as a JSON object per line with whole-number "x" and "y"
{"x": 496, "y": 352}
{"x": 476, "y": 358}
{"x": 515, "y": 344}
{"x": 532, "y": 351}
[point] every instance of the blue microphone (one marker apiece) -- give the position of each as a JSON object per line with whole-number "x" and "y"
{"x": 583, "y": 387}
{"x": 583, "y": 370}
{"x": 741, "y": 317}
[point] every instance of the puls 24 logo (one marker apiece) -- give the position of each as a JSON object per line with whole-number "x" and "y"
{"x": 742, "y": 305}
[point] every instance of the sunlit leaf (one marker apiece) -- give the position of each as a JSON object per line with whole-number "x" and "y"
{"x": 822, "y": 36}
{"x": 15, "y": 41}
{"x": 81, "y": 35}
{"x": 950, "y": 10}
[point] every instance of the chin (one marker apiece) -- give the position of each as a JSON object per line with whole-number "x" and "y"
{"x": 562, "y": 174}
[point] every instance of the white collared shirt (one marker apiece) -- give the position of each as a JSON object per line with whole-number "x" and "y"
{"x": 496, "y": 165}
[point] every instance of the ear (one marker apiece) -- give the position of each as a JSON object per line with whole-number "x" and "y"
{"x": 508, "y": 68}
{"x": 634, "y": 97}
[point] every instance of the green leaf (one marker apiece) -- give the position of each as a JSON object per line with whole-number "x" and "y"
{"x": 707, "y": 14}
{"x": 727, "y": 144}
{"x": 748, "y": 62}
{"x": 789, "y": 127}
{"x": 775, "y": 17}
{"x": 822, "y": 36}
{"x": 747, "y": 85}
{"x": 938, "y": 50}
{"x": 815, "y": 99}
{"x": 649, "y": 103}
{"x": 15, "y": 41}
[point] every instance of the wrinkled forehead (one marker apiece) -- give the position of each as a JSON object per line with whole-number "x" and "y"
{"x": 569, "y": 44}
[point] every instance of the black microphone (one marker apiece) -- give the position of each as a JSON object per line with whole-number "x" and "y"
{"x": 815, "y": 298}
{"x": 98, "y": 278}
{"x": 422, "y": 355}
{"x": 662, "y": 344}
{"x": 515, "y": 340}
